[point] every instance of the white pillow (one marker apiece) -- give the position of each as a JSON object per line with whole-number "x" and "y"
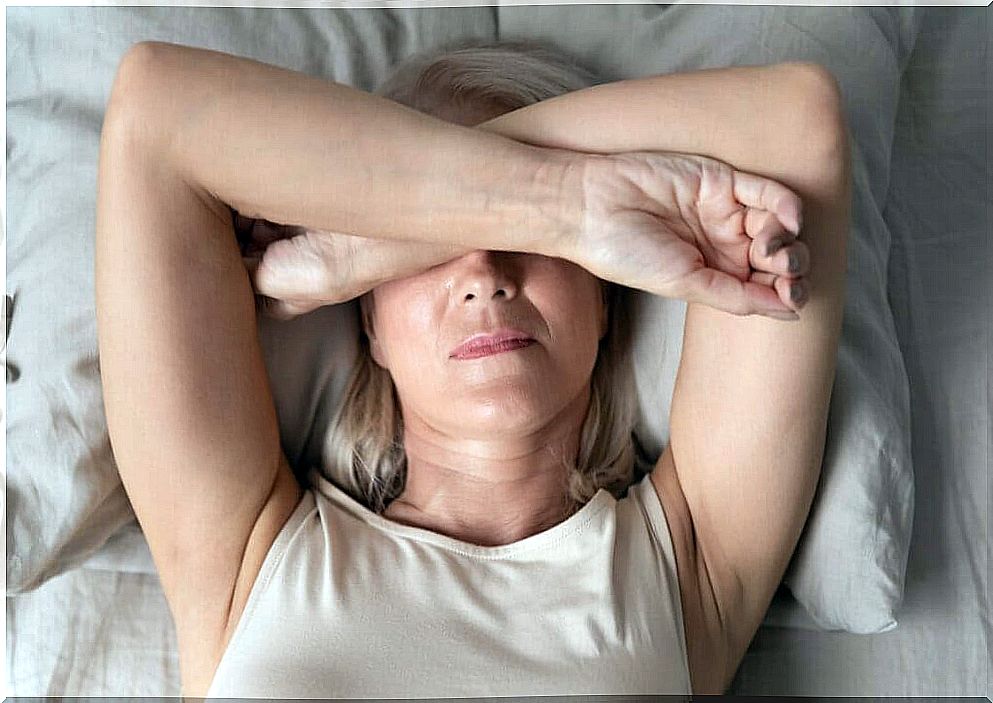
{"x": 849, "y": 566}
{"x": 65, "y": 496}
{"x": 848, "y": 571}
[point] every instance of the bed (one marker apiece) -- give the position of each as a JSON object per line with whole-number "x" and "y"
{"x": 85, "y": 612}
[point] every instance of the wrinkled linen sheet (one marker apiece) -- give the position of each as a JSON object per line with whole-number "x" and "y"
{"x": 104, "y": 629}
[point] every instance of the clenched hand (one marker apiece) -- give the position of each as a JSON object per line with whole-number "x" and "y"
{"x": 691, "y": 227}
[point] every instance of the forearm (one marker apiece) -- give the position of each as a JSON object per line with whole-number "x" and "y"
{"x": 357, "y": 265}
{"x": 330, "y": 157}
{"x": 765, "y": 120}
{"x": 728, "y": 114}
{"x": 759, "y": 119}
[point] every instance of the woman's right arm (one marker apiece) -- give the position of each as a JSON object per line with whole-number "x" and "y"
{"x": 280, "y": 145}
{"x": 186, "y": 394}
{"x": 297, "y": 271}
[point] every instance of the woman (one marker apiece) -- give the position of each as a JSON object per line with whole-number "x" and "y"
{"x": 487, "y": 567}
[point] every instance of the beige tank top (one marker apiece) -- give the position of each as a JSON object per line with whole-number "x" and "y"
{"x": 351, "y": 604}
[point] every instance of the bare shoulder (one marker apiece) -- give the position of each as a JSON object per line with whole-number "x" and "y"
{"x": 201, "y": 645}
{"x": 710, "y": 667}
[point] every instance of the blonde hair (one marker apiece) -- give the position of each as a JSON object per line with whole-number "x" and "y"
{"x": 363, "y": 453}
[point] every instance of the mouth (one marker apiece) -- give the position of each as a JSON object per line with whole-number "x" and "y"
{"x": 481, "y": 345}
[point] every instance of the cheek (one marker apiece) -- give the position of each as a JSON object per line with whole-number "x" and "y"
{"x": 407, "y": 323}
{"x": 572, "y": 310}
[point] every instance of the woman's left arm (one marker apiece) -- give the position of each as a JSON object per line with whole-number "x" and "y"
{"x": 750, "y": 406}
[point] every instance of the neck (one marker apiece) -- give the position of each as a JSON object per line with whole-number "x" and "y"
{"x": 489, "y": 492}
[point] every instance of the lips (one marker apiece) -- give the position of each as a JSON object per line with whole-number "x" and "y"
{"x": 479, "y": 345}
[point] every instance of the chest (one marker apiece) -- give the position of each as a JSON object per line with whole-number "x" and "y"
{"x": 444, "y": 634}
{"x": 452, "y": 657}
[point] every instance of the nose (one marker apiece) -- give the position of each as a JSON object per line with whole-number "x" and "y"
{"x": 485, "y": 275}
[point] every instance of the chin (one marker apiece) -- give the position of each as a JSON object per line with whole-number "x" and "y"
{"x": 510, "y": 414}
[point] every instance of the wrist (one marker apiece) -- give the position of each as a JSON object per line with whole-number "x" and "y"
{"x": 377, "y": 261}
{"x": 557, "y": 198}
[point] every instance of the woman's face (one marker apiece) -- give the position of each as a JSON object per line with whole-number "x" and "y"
{"x": 417, "y": 324}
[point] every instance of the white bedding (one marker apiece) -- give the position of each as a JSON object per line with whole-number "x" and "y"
{"x": 941, "y": 291}
{"x": 119, "y": 639}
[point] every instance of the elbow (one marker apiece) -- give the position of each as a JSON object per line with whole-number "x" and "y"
{"x": 138, "y": 55}
{"x": 144, "y": 60}
{"x": 135, "y": 71}
{"x": 821, "y": 112}
{"x": 131, "y": 109}
{"x": 122, "y": 118}
{"x": 818, "y": 85}
{"x": 821, "y": 135}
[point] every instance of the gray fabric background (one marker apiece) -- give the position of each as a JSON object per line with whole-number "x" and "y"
{"x": 64, "y": 502}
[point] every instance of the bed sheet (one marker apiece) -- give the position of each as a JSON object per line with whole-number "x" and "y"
{"x": 120, "y": 640}
{"x": 941, "y": 292}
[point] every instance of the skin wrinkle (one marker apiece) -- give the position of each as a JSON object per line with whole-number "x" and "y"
{"x": 486, "y": 464}
{"x": 502, "y": 490}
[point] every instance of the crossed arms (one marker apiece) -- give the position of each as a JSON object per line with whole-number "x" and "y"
{"x": 187, "y": 398}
